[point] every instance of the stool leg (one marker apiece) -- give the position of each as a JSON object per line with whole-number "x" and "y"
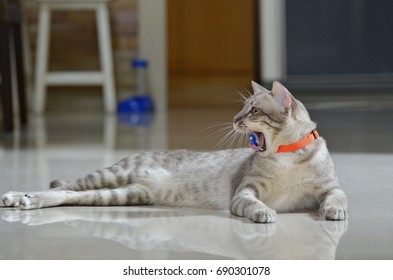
{"x": 42, "y": 55}
{"x": 106, "y": 61}
{"x": 6, "y": 90}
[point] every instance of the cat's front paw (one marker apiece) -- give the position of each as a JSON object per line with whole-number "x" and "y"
{"x": 263, "y": 215}
{"x": 335, "y": 213}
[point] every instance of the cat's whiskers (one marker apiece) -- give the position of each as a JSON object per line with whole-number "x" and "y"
{"x": 222, "y": 139}
{"x": 218, "y": 132}
{"x": 215, "y": 125}
{"x": 229, "y": 139}
{"x": 235, "y": 137}
{"x": 244, "y": 95}
{"x": 225, "y": 135}
{"x": 242, "y": 142}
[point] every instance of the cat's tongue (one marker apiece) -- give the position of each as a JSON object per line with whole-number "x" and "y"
{"x": 257, "y": 142}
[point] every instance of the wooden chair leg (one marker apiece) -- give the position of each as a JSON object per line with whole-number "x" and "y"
{"x": 6, "y": 91}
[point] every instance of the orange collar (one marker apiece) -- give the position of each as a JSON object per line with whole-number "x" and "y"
{"x": 299, "y": 144}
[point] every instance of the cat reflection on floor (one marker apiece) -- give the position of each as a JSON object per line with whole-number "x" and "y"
{"x": 295, "y": 236}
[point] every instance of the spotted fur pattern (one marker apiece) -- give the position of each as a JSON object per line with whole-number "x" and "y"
{"x": 250, "y": 184}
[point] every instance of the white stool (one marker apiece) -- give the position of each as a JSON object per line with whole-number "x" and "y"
{"x": 103, "y": 77}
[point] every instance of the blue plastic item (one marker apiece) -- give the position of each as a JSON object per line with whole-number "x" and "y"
{"x": 140, "y": 63}
{"x": 254, "y": 140}
{"x": 141, "y": 101}
{"x": 136, "y": 104}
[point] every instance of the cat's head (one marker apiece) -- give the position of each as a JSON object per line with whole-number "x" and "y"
{"x": 274, "y": 118}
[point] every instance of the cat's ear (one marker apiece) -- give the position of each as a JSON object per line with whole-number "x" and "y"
{"x": 257, "y": 88}
{"x": 282, "y": 96}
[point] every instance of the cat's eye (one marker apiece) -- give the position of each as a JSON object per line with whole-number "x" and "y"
{"x": 255, "y": 110}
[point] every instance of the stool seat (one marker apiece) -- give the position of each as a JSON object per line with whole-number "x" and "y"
{"x": 104, "y": 76}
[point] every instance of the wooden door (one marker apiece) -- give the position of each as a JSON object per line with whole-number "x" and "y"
{"x": 210, "y": 43}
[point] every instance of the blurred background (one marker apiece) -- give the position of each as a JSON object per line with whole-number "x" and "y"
{"x": 335, "y": 56}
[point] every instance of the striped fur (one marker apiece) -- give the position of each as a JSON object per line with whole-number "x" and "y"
{"x": 250, "y": 184}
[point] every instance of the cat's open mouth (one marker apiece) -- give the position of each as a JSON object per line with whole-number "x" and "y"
{"x": 257, "y": 142}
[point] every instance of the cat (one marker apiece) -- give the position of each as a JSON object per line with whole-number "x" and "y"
{"x": 288, "y": 168}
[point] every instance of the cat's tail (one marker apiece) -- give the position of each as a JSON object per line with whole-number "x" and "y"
{"x": 57, "y": 183}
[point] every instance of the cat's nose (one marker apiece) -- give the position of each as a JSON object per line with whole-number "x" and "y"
{"x": 238, "y": 121}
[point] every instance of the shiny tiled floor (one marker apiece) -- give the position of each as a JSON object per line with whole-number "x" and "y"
{"x": 70, "y": 145}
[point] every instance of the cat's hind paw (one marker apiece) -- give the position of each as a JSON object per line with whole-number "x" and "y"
{"x": 265, "y": 215}
{"x": 11, "y": 199}
{"x": 334, "y": 213}
{"x": 28, "y": 202}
